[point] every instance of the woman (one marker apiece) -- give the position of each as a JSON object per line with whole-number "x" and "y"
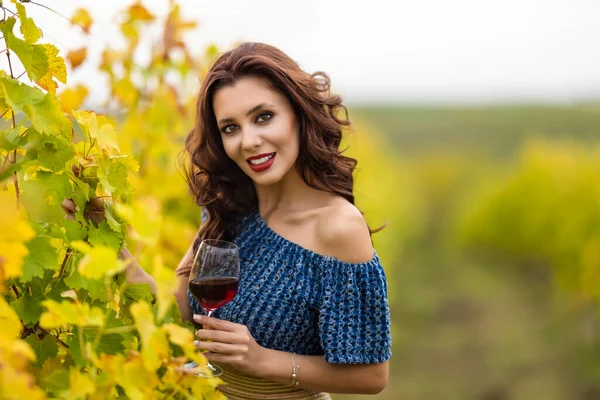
{"x": 267, "y": 170}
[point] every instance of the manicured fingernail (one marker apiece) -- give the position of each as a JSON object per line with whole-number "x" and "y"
{"x": 196, "y": 342}
{"x": 197, "y": 317}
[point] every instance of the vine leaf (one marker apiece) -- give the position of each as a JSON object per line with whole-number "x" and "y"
{"x": 29, "y": 30}
{"x": 44, "y": 349}
{"x": 33, "y": 56}
{"x": 82, "y": 18}
{"x": 72, "y": 97}
{"x": 56, "y": 69}
{"x": 13, "y": 232}
{"x": 98, "y": 261}
{"x": 77, "y": 57}
{"x": 43, "y": 109}
{"x": 68, "y": 312}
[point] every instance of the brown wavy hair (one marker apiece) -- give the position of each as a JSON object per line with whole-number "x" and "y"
{"x": 218, "y": 184}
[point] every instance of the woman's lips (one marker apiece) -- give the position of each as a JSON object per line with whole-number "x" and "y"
{"x": 264, "y": 165}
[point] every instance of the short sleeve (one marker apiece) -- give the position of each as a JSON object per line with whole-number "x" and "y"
{"x": 354, "y": 316}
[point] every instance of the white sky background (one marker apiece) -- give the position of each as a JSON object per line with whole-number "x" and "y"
{"x": 425, "y": 51}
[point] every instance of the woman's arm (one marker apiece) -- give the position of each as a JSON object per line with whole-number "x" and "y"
{"x": 136, "y": 275}
{"x": 317, "y": 374}
{"x": 232, "y": 344}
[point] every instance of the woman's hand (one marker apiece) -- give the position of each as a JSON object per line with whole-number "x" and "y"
{"x": 94, "y": 210}
{"x": 232, "y": 344}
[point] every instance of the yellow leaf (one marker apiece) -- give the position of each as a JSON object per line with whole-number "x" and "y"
{"x": 144, "y": 320}
{"x": 70, "y": 313}
{"x": 21, "y": 349}
{"x": 166, "y": 284}
{"x": 81, "y": 246}
{"x": 109, "y": 58}
{"x": 181, "y": 337}
{"x": 144, "y": 216}
{"x": 72, "y": 98}
{"x": 98, "y": 127}
{"x": 173, "y": 32}
{"x": 14, "y": 231}
{"x": 155, "y": 347}
{"x": 126, "y": 92}
{"x": 80, "y": 385}
{"x": 82, "y": 18}
{"x": 15, "y": 382}
{"x": 56, "y": 69}
{"x": 29, "y": 30}
{"x": 11, "y": 259}
{"x": 9, "y": 321}
{"x": 77, "y": 57}
{"x": 99, "y": 262}
{"x": 137, "y": 381}
{"x": 138, "y": 12}
{"x": 178, "y": 334}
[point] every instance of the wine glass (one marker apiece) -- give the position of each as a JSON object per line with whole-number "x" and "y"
{"x": 213, "y": 280}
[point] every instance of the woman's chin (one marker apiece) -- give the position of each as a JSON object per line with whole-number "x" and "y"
{"x": 264, "y": 178}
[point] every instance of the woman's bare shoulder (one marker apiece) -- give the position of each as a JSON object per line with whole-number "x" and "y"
{"x": 343, "y": 233}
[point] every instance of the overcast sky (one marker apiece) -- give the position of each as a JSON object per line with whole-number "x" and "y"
{"x": 386, "y": 50}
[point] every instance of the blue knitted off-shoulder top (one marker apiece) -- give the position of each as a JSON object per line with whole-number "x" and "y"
{"x": 293, "y": 299}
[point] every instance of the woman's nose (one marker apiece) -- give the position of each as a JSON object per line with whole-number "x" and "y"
{"x": 250, "y": 140}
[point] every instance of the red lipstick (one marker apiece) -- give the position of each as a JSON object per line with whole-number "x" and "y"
{"x": 264, "y": 165}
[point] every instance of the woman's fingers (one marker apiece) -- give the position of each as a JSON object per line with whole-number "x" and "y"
{"x": 97, "y": 203}
{"x": 218, "y": 336}
{"x": 220, "y": 348}
{"x": 69, "y": 206}
{"x": 94, "y": 210}
{"x": 215, "y": 323}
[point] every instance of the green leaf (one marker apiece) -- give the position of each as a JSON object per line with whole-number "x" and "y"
{"x": 42, "y": 255}
{"x": 52, "y": 152}
{"x": 32, "y": 56}
{"x": 112, "y": 173}
{"x": 103, "y": 235}
{"x": 110, "y": 218}
{"x": 29, "y": 30}
{"x": 94, "y": 287}
{"x": 74, "y": 230}
{"x": 137, "y": 292}
{"x": 28, "y": 308}
{"x": 41, "y": 286}
{"x": 42, "y": 109}
{"x": 57, "y": 381}
{"x": 43, "y": 195}
{"x": 173, "y": 315}
{"x": 80, "y": 186}
{"x": 109, "y": 344}
{"x": 8, "y": 172}
{"x": 44, "y": 349}
{"x": 11, "y": 139}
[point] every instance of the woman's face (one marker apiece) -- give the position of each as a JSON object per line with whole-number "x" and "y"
{"x": 259, "y": 129}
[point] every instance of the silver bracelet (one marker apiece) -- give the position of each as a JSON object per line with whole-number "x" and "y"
{"x": 295, "y": 381}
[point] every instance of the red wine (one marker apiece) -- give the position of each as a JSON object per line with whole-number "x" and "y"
{"x": 212, "y": 293}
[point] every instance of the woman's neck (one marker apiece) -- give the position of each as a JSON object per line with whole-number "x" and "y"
{"x": 290, "y": 194}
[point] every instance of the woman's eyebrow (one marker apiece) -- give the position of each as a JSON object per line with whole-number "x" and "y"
{"x": 254, "y": 109}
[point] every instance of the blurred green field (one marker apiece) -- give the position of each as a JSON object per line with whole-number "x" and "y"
{"x": 495, "y": 130}
{"x": 478, "y": 325}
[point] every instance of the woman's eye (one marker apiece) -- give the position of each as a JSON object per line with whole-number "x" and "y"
{"x": 264, "y": 117}
{"x": 228, "y": 129}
